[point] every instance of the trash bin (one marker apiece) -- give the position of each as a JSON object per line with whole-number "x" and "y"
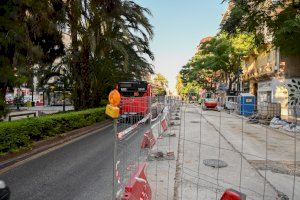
{"x": 32, "y": 103}
{"x": 246, "y": 104}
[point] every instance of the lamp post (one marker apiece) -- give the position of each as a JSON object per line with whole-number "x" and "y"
{"x": 18, "y": 99}
{"x": 45, "y": 89}
{"x": 61, "y": 87}
{"x": 64, "y": 83}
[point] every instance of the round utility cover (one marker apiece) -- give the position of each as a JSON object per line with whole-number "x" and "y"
{"x": 215, "y": 163}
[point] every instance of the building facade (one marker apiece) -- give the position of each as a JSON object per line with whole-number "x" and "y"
{"x": 267, "y": 74}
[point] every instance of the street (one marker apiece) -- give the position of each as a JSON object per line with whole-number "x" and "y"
{"x": 149, "y": 100}
{"x": 80, "y": 170}
{"x": 83, "y": 169}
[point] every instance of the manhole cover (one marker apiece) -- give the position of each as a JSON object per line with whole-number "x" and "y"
{"x": 215, "y": 163}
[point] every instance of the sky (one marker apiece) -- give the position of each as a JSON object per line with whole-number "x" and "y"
{"x": 179, "y": 25}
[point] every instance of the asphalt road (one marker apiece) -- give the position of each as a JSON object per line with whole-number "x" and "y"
{"x": 77, "y": 171}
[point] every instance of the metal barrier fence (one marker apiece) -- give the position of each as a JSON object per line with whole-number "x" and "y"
{"x": 129, "y": 131}
{"x": 191, "y": 153}
{"x": 245, "y": 149}
{"x": 141, "y": 124}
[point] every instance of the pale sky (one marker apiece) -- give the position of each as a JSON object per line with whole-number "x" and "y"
{"x": 179, "y": 26}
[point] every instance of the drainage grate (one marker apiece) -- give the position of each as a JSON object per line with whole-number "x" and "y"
{"x": 215, "y": 163}
{"x": 195, "y": 122}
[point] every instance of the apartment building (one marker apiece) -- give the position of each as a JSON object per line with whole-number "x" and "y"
{"x": 267, "y": 73}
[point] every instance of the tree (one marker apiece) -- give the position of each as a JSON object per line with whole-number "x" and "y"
{"x": 109, "y": 43}
{"x": 105, "y": 34}
{"x": 28, "y": 35}
{"x": 219, "y": 59}
{"x": 179, "y": 84}
{"x": 279, "y": 20}
{"x": 191, "y": 88}
{"x": 161, "y": 84}
{"x": 199, "y": 74}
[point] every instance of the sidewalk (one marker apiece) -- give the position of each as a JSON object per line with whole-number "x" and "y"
{"x": 161, "y": 174}
{"x": 280, "y": 151}
{"x": 36, "y": 109}
{"x": 188, "y": 178}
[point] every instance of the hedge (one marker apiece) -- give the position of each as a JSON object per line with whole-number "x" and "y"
{"x": 22, "y": 133}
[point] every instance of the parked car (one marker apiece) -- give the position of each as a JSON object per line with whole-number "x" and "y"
{"x": 4, "y": 191}
{"x": 210, "y": 103}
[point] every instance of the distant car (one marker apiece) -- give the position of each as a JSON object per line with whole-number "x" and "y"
{"x": 4, "y": 191}
{"x": 211, "y": 104}
{"x": 9, "y": 98}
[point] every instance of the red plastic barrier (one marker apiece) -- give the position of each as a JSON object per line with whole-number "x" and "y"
{"x": 138, "y": 187}
{"x": 231, "y": 194}
{"x": 164, "y": 124}
{"x": 148, "y": 140}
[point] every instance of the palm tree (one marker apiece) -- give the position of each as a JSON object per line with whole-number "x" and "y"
{"x": 29, "y": 35}
{"x": 109, "y": 40}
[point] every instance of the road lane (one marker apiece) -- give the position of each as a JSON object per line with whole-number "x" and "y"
{"x": 80, "y": 170}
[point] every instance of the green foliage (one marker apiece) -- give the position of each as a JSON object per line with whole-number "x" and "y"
{"x": 29, "y": 35}
{"x": 280, "y": 21}
{"x": 218, "y": 60}
{"x": 287, "y": 31}
{"x": 235, "y": 18}
{"x": 109, "y": 42}
{"x": 104, "y": 102}
{"x": 191, "y": 87}
{"x": 22, "y": 133}
{"x": 3, "y": 109}
{"x": 161, "y": 84}
{"x": 179, "y": 84}
{"x": 108, "y": 47}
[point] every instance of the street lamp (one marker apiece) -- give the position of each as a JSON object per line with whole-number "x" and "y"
{"x": 18, "y": 99}
{"x": 45, "y": 88}
{"x": 61, "y": 87}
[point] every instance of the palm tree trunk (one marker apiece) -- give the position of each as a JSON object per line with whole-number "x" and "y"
{"x": 75, "y": 65}
{"x": 86, "y": 92}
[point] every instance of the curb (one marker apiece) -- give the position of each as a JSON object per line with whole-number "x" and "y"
{"x": 44, "y": 145}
